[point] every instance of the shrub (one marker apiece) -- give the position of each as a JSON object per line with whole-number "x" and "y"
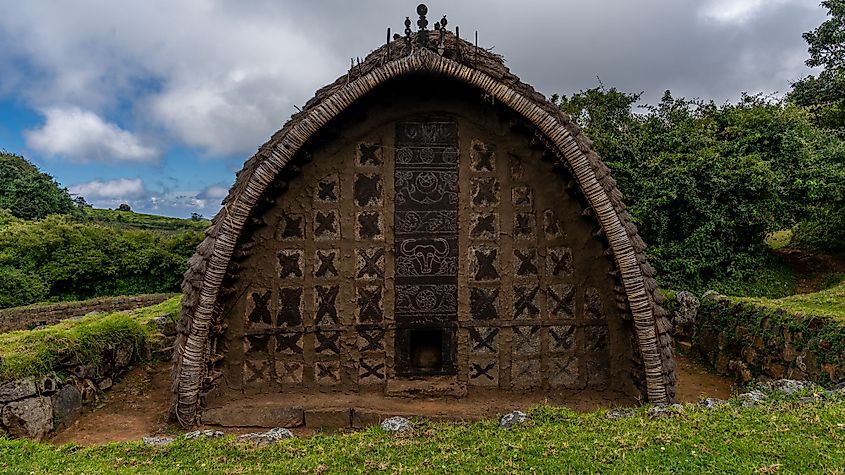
{"x": 28, "y": 193}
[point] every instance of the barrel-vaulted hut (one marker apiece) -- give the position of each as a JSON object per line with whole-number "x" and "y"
{"x": 427, "y": 224}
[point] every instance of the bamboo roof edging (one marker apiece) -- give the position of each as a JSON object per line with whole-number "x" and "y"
{"x": 485, "y": 71}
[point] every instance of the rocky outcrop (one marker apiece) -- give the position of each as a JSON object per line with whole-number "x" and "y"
{"x": 35, "y": 407}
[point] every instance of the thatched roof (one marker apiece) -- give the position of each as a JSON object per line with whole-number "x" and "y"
{"x": 460, "y": 61}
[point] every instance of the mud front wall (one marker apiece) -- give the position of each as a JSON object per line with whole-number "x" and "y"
{"x": 425, "y": 213}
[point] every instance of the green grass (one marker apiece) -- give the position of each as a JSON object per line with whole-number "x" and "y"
{"x": 34, "y": 353}
{"x": 781, "y": 437}
{"x": 779, "y": 239}
{"x": 150, "y": 222}
{"x": 828, "y": 303}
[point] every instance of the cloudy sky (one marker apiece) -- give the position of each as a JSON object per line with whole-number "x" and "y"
{"x": 158, "y": 103}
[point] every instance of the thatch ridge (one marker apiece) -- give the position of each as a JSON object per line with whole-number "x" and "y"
{"x": 475, "y": 66}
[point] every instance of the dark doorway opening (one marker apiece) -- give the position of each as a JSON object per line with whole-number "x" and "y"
{"x": 426, "y": 351}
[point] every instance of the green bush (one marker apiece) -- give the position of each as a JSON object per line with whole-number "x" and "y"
{"x": 76, "y": 261}
{"x": 29, "y": 193}
{"x": 706, "y": 184}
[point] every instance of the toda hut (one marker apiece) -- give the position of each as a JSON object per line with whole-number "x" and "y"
{"x": 427, "y": 225}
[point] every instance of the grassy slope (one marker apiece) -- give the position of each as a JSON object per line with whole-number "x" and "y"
{"x": 778, "y": 438}
{"x": 132, "y": 220}
{"x": 35, "y": 352}
{"x": 829, "y": 303}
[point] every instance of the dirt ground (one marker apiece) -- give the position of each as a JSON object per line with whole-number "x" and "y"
{"x": 137, "y": 406}
{"x": 810, "y": 267}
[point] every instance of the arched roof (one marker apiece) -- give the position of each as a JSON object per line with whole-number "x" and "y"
{"x": 461, "y": 61}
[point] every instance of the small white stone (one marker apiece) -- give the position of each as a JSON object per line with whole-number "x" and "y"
{"x": 513, "y": 418}
{"x": 397, "y": 424}
{"x": 156, "y": 441}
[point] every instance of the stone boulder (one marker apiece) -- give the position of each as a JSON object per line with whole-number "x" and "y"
{"x": 67, "y": 404}
{"x": 512, "y": 419}
{"x": 664, "y": 411}
{"x": 31, "y": 418}
{"x": 266, "y": 438}
{"x": 397, "y": 424}
{"x": 687, "y": 310}
{"x": 204, "y": 434}
{"x": 792, "y": 386}
{"x": 752, "y": 398}
{"x": 14, "y": 390}
{"x": 158, "y": 441}
{"x": 712, "y": 403}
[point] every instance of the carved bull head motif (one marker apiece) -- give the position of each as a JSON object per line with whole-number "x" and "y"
{"x": 426, "y": 252}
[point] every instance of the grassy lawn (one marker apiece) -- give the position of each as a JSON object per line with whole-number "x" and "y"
{"x": 133, "y": 220}
{"x": 779, "y": 239}
{"x": 777, "y": 438}
{"x": 828, "y": 303}
{"x": 36, "y": 352}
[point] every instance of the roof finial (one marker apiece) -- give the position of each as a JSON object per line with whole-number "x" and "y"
{"x": 422, "y": 35}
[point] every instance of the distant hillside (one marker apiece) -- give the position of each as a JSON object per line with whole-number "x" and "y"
{"x": 27, "y": 192}
{"x": 140, "y": 221}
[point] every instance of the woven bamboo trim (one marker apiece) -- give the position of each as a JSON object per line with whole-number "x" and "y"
{"x": 192, "y": 353}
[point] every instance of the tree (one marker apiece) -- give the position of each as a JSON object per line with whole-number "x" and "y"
{"x": 27, "y": 192}
{"x": 825, "y": 93}
{"x": 124, "y": 207}
{"x": 196, "y": 216}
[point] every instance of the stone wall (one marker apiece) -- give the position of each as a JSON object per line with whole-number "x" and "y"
{"x": 749, "y": 342}
{"x": 36, "y": 407}
{"x": 25, "y": 318}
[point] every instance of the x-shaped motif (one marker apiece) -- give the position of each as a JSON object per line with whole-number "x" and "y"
{"x": 561, "y": 262}
{"x": 482, "y": 158}
{"x": 374, "y": 370}
{"x": 369, "y": 154}
{"x": 563, "y": 337}
{"x": 369, "y": 225}
{"x": 367, "y": 189}
{"x": 523, "y": 225}
{"x": 369, "y": 303}
{"x": 290, "y": 312}
{"x": 483, "y": 343}
{"x": 256, "y": 370}
{"x": 326, "y": 297}
{"x": 485, "y": 192}
{"x": 326, "y": 267}
{"x": 486, "y": 264}
{"x": 479, "y": 371}
{"x": 482, "y": 304}
{"x": 524, "y": 301}
{"x": 293, "y": 226}
{"x": 374, "y": 340}
{"x": 526, "y": 261}
{"x": 325, "y": 223}
{"x": 371, "y": 267}
{"x": 326, "y": 371}
{"x": 289, "y": 265}
{"x": 326, "y": 190}
{"x": 486, "y": 224}
{"x": 327, "y": 342}
{"x": 561, "y": 304}
{"x": 288, "y": 342}
{"x": 261, "y": 312}
{"x": 522, "y": 196}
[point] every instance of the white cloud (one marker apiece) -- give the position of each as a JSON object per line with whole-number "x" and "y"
{"x": 82, "y": 136}
{"x": 218, "y": 76}
{"x": 740, "y": 11}
{"x": 214, "y": 192}
{"x": 119, "y": 189}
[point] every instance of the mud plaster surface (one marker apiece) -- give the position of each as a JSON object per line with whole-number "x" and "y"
{"x": 522, "y": 355}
